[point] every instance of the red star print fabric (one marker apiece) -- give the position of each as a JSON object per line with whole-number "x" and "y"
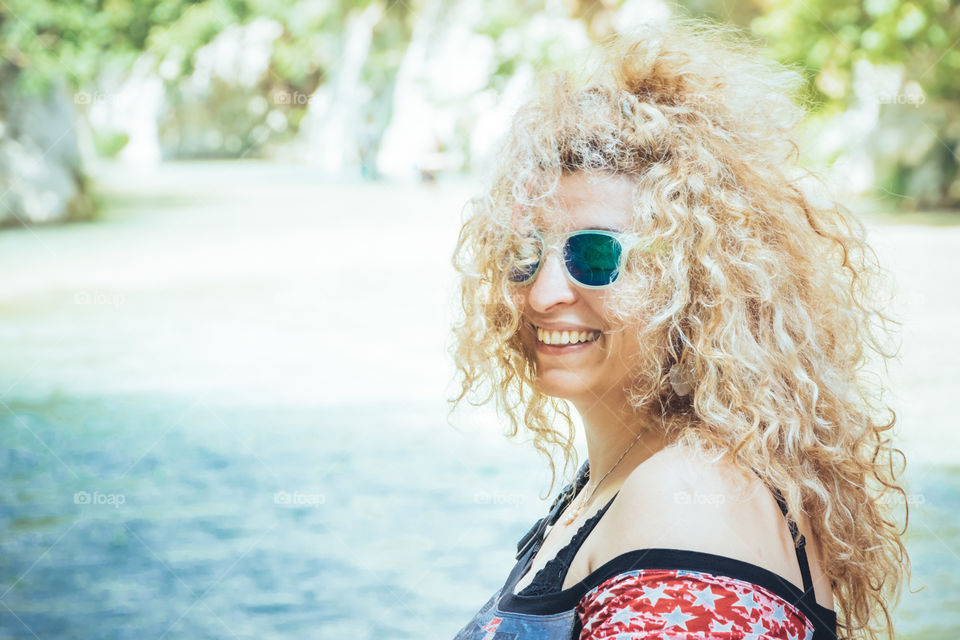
{"x": 666, "y": 603}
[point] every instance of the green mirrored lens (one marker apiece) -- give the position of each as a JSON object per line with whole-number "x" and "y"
{"x": 593, "y": 259}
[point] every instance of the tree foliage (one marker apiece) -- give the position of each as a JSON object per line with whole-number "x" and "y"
{"x": 829, "y": 37}
{"x": 81, "y": 39}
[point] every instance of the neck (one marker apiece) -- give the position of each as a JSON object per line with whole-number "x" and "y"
{"x": 612, "y": 428}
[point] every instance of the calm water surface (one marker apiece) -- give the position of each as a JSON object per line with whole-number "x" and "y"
{"x": 222, "y": 416}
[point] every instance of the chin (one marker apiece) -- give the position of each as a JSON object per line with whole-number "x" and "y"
{"x": 562, "y": 388}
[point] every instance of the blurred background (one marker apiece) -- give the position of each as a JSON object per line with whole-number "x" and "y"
{"x": 226, "y": 291}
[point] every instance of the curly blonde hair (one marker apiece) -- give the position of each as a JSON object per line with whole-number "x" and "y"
{"x": 767, "y": 295}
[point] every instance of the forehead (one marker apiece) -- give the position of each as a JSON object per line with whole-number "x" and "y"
{"x": 589, "y": 200}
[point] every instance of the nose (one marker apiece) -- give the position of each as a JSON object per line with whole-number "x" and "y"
{"x": 551, "y": 286}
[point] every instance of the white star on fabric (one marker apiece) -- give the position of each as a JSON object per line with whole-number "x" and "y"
{"x": 676, "y": 618}
{"x": 790, "y": 636}
{"x": 756, "y": 630}
{"x": 747, "y": 602}
{"x": 705, "y": 598}
{"x": 717, "y": 627}
{"x": 655, "y": 594}
{"x": 623, "y": 615}
{"x": 779, "y": 614}
{"x": 603, "y": 597}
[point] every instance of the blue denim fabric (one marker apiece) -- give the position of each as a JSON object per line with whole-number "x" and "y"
{"x": 492, "y": 624}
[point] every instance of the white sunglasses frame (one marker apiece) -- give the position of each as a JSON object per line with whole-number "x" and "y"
{"x": 558, "y": 240}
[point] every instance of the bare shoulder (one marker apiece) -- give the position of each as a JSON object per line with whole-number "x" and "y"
{"x": 691, "y": 499}
{"x": 684, "y": 499}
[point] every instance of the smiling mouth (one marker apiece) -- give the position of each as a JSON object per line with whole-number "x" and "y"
{"x": 560, "y": 338}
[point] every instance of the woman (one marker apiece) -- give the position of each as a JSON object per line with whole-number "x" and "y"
{"x": 646, "y": 252}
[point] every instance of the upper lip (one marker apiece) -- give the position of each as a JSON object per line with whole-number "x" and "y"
{"x": 560, "y": 326}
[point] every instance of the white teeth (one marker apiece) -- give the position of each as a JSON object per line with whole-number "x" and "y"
{"x": 566, "y": 337}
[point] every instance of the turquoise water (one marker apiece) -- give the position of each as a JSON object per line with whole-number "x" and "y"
{"x": 222, "y": 522}
{"x": 208, "y": 431}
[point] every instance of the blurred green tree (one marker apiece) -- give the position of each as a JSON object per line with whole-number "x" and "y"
{"x": 829, "y": 39}
{"x": 45, "y": 41}
{"x": 42, "y": 41}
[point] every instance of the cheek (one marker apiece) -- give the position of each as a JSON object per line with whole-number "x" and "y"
{"x": 624, "y": 343}
{"x": 617, "y": 314}
{"x": 599, "y": 301}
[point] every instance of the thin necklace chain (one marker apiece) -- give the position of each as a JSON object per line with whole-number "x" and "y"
{"x": 583, "y": 503}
